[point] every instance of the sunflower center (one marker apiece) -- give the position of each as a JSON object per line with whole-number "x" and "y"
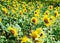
{"x": 55, "y": 14}
{"x": 50, "y": 7}
{"x": 46, "y": 20}
{"x": 46, "y": 13}
{"x": 35, "y": 12}
{"x": 33, "y": 20}
{"x": 12, "y": 31}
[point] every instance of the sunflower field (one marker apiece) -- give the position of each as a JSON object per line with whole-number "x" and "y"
{"x": 29, "y": 21}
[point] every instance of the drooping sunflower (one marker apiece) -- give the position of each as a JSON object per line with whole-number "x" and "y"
{"x": 34, "y": 20}
{"x": 36, "y": 13}
{"x": 50, "y": 7}
{"x": 46, "y": 21}
{"x": 56, "y": 13}
{"x": 12, "y": 31}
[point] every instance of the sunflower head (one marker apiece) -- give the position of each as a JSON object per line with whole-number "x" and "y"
{"x": 46, "y": 12}
{"x": 38, "y": 30}
{"x": 50, "y": 7}
{"x": 4, "y": 10}
{"x": 12, "y": 31}
{"x": 36, "y": 13}
{"x": 46, "y": 21}
{"x": 24, "y": 39}
{"x": 34, "y": 34}
{"x": 20, "y": 13}
{"x": 42, "y": 35}
{"x": 34, "y": 20}
{"x": 55, "y": 13}
{"x": 52, "y": 17}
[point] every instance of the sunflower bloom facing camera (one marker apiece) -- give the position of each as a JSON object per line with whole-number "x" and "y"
{"x": 50, "y": 7}
{"x": 46, "y": 12}
{"x": 36, "y": 13}
{"x": 34, "y": 34}
{"x": 12, "y": 31}
{"x": 34, "y": 20}
{"x": 42, "y": 35}
{"x": 46, "y": 21}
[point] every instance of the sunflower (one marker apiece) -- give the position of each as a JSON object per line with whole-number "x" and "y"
{"x": 34, "y": 20}
{"x": 24, "y": 39}
{"x": 4, "y": 10}
{"x": 34, "y": 34}
{"x": 50, "y": 7}
{"x": 42, "y": 35}
{"x": 46, "y": 12}
{"x": 36, "y": 13}
{"x": 52, "y": 17}
{"x": 46, "y": 21}
{"x": 20, "y": 12}
{"x": 38, "y": 30}
{"x": 12, "y": 31}
{"x": 55, "y": 13}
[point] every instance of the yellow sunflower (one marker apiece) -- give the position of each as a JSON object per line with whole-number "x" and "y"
{"x": 46, "y": 12}
{"x": 20, "y": 12}
{"x": 50, "y": 7}
{"x": 24, "y": 39}
{"x": 52, "y": 18}
{"x": 34, "y": 20}
{"x": 12, "y": 31}
{"x": 56, "y": 13}
{"x": 36, "y": 13}
{"x": 34, "y": 34}
{"x": 38, "y": 30}
{"x": 46, "y": 21}
{"x": 42, "y": 35}
{"x": 4, "y": 10}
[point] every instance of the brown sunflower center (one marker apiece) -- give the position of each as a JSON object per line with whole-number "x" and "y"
{"x": 55, "y": 14}
{"x": 12, "y": 32}
{"x": 35, "y": 12}
{"x": 46, "y": 20}
{"x": 33, "y": 20}
{"x": 50, "y": 7}
{"x": 46, "y": 13}
{"x": 41, "y": 34}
